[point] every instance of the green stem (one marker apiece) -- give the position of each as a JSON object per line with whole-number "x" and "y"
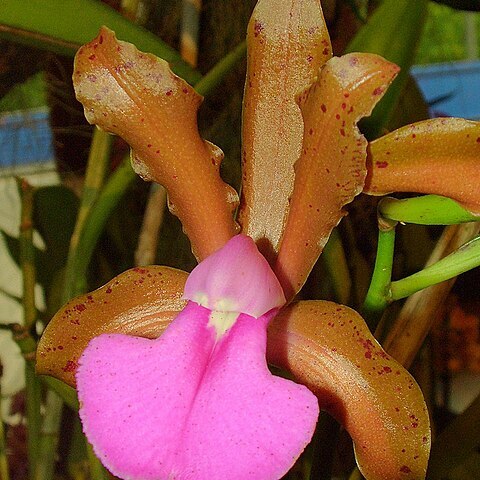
{"x": 49, "y": 438}
{"x": 213, "y": 78}
{"x": 95, "y": 221}
{"x": 22, "y": 334}
{"x": 425, "y": 210}
{"x": 34, "y": 419}
{"x": 377, "y": 296}
{"x": 460, "y": 261}
{"x": 98, "y": 161}
{"x": 336, "y": 265}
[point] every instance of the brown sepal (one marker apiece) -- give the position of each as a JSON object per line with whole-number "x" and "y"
{"x": 137, "y": 96}
{"x": 328, "y": 348}
{"x": 287, "y": 43}
{"x": 439, "y": 156}
{"x": 140, "y": 301}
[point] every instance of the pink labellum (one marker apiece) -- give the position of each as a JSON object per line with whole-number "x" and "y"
{"x": 236, "y": 278}
{"x": 185, "y": 406}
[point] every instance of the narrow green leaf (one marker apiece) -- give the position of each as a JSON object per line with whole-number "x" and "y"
{"x": 393, "y": 31}
{"x": 460, "y": 261}
{"x": 63, "y": 26}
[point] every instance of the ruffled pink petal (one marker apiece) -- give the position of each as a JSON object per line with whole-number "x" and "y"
{"x": 185, "y": 407}
{"x": 236, "y": 278}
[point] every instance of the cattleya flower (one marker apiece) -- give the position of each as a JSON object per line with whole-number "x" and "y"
{"x": 192, "y": 397}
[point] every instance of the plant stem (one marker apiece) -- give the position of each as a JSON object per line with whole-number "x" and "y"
{"x": 460, "y": 261}
{"x": 96, "y": 219}
{"x": 406, "y": 335}
{"x": 336, "y": 264}
{"x": 377, "y": 296}
{"x": 220, "y": 70}
{"x": 22, "y": 334}
{"x": 49, "y": 438}
{"x": 98, "y": 160}
{"x": 425, "y": 210}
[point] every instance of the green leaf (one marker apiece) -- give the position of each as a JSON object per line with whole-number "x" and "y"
{"x": 26, "y": 95}
{"x": 63, "y": 26}
{"x": 393, "y": 31}
{"x": 13, "y": 246}
{"x": 54, "y": 213}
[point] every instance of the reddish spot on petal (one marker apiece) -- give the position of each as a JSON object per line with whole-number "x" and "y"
{"x": 100, "y": 40}
{"x": 92, "y": 57}
{"x": 378, "y": 91}
{"x": 310, "y": 59}
{"x": 405, "y": 469}
{"x": 108, "y": 290}
{"x": 326, "y": 51}
{"x": 342, "y": 132}
{"x": 478, "y": 139}
{"x": 70, "y": 366}
{"x": 368, "y": 354}
{"x": 387, "y": 369}
{"x": 258, "y": 28}
{"x": 168, "y": 93}
{"x": 323, "y": 107}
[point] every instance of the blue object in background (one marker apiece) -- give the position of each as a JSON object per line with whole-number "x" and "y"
{"x": 26, "y": 142}
{"x": 450, "y": 89}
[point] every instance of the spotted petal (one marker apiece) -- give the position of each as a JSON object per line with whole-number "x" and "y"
{"x": 331, "y": 170}
{"x": 136, "y": 95}
{"x": 439, "y": 156}
{"x": 329, "y": 348}
{"x": 287, "y": 43}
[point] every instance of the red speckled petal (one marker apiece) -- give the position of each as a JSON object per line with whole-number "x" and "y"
{"x": 439, "y": 156}
{"x": 140, "y": 301}
{"x": 136, "y": 95}
{"x": 287, "y": 43}
{"x": 236, "y": 278}
{"x": 186, "y": 407}
{"x": 329, "y": 348}
{"x": 331, "y": 169}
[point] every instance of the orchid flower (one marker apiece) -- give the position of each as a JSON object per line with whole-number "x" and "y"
{"x": 170, "y": 368}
